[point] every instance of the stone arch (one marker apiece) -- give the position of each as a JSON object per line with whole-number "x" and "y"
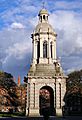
{"x": 46, "y": 101}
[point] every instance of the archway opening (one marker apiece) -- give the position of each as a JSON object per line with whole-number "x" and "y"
{"x": 46, "y": 101}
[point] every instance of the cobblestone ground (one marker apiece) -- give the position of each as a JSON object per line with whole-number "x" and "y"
{"x": 41, "y": 118}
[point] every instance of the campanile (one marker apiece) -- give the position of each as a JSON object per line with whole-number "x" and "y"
{"x": 46, "y": 82}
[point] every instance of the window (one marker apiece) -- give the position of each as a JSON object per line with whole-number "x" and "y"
{"x": 60, "y": 93}
{"x": 38, "y": 51}
{"x": 47, "y": 17}
{"x": 45, "y": 49}
{"x": 51, "y": 48}
{"x": 41, "y": 18}
{"x": 44, "y": 17}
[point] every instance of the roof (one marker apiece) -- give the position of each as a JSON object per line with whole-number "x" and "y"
{"x": 44, "y": 27}
{"x": 43, "y": 11}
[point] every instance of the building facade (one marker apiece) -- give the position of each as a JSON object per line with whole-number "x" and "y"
{"x": 46, "y": 82}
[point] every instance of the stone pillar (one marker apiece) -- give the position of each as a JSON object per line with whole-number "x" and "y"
{"x": 37, "y": 100}
{"x": 32, "y": 49}
{"x": 31, "y": 106}
{"x": 54, "y": 95}
{"x": 49, "y": 51}
{"x": 63, "y": 91}
{"x": 41, "y": 51}
{"x": 31, "y": 96}
{"x": 58, "y": 108}
{"x": 34, "y": 52}
{"x": 27, "y": 102}
{"x": 55, "y": 50}
{"x": 34, "y": 101}
{"x": 28, "y": 97}
{"x": 57, "y": 95}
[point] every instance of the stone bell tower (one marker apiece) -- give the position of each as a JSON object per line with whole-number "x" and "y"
{"x": 45, "y": 79}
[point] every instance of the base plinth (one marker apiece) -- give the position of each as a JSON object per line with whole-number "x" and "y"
{"x": 58, "y": 112}
{"x": 33, "y": 112}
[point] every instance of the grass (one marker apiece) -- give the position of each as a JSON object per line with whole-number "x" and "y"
{"x": 12, "y": 114}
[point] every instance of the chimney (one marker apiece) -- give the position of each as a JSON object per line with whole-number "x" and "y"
{"x": 18, "y": 80}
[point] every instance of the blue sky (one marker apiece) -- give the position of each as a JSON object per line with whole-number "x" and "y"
{"x": 18, "y": 19}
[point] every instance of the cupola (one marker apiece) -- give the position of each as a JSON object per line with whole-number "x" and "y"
{"x": 43, "y": 15}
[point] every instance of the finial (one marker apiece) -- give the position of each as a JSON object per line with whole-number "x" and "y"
{"x": 43, "y": 5}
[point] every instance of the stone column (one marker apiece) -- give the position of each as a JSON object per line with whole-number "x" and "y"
{"x": 32, "y": 49}
{"x": 54, "y": 95}
{"x": 34, "y": 100}
{"x": 57, "y": 96}
{"x": 36, "y": 97}
{"x": 27, "y": 102}
{"x": 34, "y": 52}
{"x": 49, "y": 51}
{"x": 63, "y": 91}
{"x": 58, "y": 109}
{"x": 28, "y": 98}
{"x": 55, "y": 50}
{"x": 31, "y": 107}
{"x": 41, "y": 51}
{"x": 31, "y": 96}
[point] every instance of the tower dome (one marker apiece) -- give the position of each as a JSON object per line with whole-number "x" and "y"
{"x": 44, "y": 28}
{"x": 43, "y": 25}
{"x": 43, "y": 11}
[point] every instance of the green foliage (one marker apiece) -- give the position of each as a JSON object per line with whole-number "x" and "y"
{"x": 73, "y": 96}
{"x": 16, "y": 114}
{"x": 6, "y": 80}
{"x": 74, "y": 81}
{"x": 23, "y": 85}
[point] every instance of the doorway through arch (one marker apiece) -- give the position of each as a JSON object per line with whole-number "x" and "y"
{"x": 46, "y": 101}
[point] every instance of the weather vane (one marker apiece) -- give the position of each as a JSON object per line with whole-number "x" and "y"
{"x": 43, "y": 5}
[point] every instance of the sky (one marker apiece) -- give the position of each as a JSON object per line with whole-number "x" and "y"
{"x": 18, "y": 19}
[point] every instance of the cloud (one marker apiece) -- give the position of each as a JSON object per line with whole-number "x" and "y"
{"x": 16, "y": 25}
{"x": 20, "y": 19}
{"x": 18, "y": 50}
{"x": 67, "y": 5}
{"x": 20, "y": 13}
{"x": 67, "y": 25}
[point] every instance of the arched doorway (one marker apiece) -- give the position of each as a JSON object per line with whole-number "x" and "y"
{"x": 46, "y": 101}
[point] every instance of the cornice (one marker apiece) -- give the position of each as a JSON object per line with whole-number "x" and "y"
{"x": 46, "y": 77}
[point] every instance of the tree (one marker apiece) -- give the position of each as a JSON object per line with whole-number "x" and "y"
{"x": 7, "y": 83}
{"x": 73, "y": 97}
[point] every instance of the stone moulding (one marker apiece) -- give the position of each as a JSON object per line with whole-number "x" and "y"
{"x": 46, "y": 77}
